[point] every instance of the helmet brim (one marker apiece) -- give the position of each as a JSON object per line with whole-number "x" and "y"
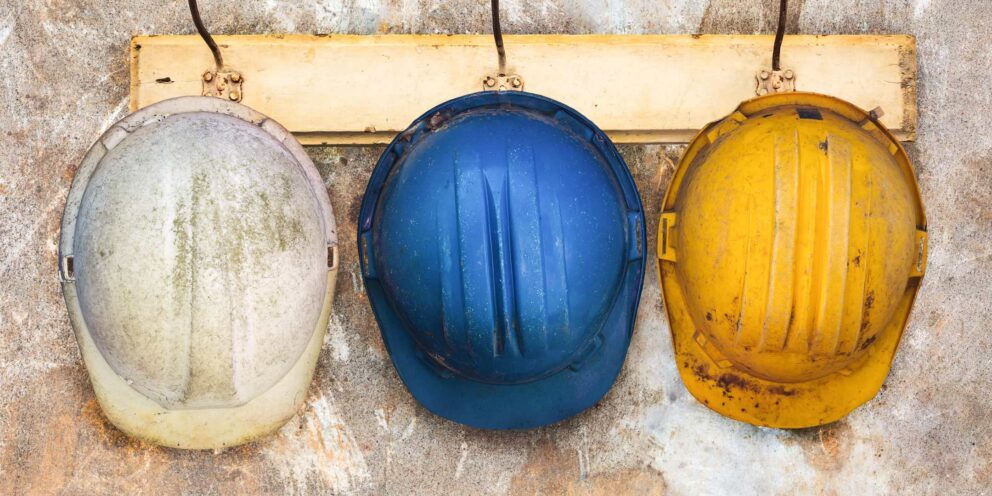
{"x": 737, "y": 394}
{"x": 512, "y": 406}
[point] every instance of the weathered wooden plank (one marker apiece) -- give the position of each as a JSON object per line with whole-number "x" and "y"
{"x": 345, "y": 89}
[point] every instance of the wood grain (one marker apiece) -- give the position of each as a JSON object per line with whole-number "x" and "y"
{"x": 357, "y": 90}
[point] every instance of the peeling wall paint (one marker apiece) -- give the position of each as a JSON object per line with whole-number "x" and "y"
{"x": 64, "y": 79}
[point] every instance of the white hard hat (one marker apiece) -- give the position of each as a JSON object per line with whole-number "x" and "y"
{"x": 198, "y": 259}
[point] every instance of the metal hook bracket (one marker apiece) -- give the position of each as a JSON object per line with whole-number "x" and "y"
{"x": 220, "y": 82}
{"x": 773, "y": 81}
{"x": 224, "y": 83}
{"x": 503, "y": 82}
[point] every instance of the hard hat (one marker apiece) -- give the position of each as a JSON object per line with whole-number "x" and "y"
{"x": 195, "y": 266}
{"x": 791, "y": 246}
{"x": 501, "y": 239}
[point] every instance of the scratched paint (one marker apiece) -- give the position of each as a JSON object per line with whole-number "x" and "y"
{"x": 6, "y": 28}
{"x": 317, "y": 451}
{"x": 928, "y": 432}
{"x": 336, "y": 340}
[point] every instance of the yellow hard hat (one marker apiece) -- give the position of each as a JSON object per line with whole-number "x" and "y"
{"x": 791, "y": 247}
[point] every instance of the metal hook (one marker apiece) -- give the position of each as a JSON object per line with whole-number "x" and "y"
{"x": 777, "y": 80}
{"x": 501, "y": 81}
{"x": 220, "y": 82}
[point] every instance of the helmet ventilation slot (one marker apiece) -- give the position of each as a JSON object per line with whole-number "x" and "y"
{"x": 68, "y": 269}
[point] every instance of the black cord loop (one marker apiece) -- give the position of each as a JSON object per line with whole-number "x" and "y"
{"x": 209, "y": 40}
{"x": 498, "y": 36}
{"x": 779, "y": 34}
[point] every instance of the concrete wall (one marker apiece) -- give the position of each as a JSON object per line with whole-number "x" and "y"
{"x": 64, "y": 79}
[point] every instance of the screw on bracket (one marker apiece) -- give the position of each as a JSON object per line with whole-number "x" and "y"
{"x": 503, "y": 83}
{"x": 775, "y": 81}
{"x": 224, "y": 84}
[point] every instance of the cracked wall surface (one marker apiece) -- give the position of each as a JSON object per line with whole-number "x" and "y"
{"x": 64, "y": 80}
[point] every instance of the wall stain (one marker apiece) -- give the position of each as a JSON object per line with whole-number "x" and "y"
{"x": 550, "y": 470}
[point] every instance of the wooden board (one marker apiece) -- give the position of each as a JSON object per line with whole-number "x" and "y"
{"x": 352, "y": 90}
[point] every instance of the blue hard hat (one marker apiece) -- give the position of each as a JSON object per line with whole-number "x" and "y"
{"x": 502, "y": 246}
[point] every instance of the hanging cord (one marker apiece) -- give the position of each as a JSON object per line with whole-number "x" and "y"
{"x": 209, "y": 40}
{"x": 498, "y": 36}
{"x": 779, "y": 34}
